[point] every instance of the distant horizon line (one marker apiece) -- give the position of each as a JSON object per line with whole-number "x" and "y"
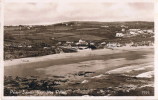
{"x": 74, "y": 21}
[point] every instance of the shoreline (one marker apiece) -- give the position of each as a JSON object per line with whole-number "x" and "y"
{"x": 71, "y": 55}
{"x": 85, "y": 72}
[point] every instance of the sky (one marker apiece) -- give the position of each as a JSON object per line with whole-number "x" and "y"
{"x": 56, "y": 12}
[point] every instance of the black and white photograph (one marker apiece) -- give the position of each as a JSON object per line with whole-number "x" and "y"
{"x": 79, "y": 49}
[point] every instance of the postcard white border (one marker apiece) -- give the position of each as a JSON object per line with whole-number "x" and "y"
{"x": 80, "y": 97}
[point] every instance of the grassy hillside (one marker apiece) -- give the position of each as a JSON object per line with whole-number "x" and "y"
{"x": 72, "y": 31}
{"x": 39, "y": 36}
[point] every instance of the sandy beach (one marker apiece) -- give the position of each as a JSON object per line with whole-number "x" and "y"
{"x": 119, "y": 59}
{"x": 70, "y": 55}
{"x": 88, "y": 70}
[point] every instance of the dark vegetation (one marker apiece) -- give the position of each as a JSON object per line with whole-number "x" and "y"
{"x": 109, "y": 85}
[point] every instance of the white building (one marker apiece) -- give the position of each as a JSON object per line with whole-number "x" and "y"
{"x": 68, "y": 42}
{"x": 133, "y": 33}
{"x": 140, "y": 31}
{"x": 81, "y": 42}
{"x": 103, "y": 43}
{"x": 150, "y": 31}
{"x": 123, "y": 30}
{"x": 113, "y": 44}
{"x": 29, "y": 46}
{"x": 105, "y": 26}
{"x": 119, "y": 34}
{"x": 134, "y": 30}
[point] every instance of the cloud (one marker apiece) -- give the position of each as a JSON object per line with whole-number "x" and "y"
{"x": 49, "y": 13}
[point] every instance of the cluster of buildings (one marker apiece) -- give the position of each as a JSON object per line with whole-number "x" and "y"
{"x": 78, "y": 46}
{"x": 133, "y": 32}
{"x": 130, "y": 44}
{"x": 18, "y": 45}
{"x": 84, "y": 45}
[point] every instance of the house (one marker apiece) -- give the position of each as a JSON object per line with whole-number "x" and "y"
{"x": 113, "y": 44}
{"x": 119, "y": 35}
{"x": 123, "y": 26}
{"x": 134, "y": 30}
{"x": 29, "y": 27}
{"x": 20, "y": 46}
{"x": 69, "y": 42}
{"x": 91, "y": 43}
{"x": 45, "y": 47}
{"x": 29, "y": 46}
{"x": 123, "y": 30}
{"x": 133, "y": 33}
{"x": 140, "y": 31}
{"x": 81, "y": 42}
{"x": 105, "y": 26}
{"x": 145, "y": 31}
{"x": 103, "y": 43}
{"x": 150, "y": 31}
